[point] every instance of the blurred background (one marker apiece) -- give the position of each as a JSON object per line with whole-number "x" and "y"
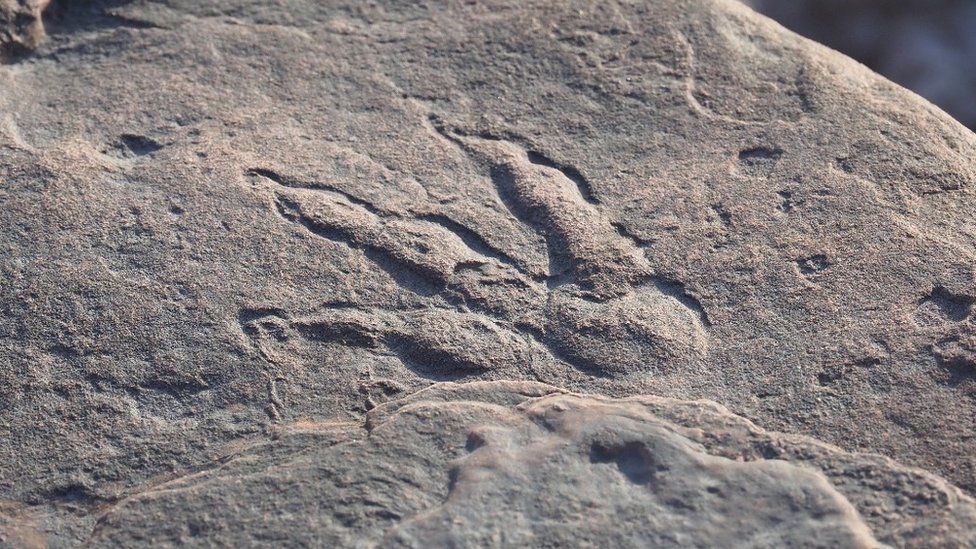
{"x": 928, "y": 46}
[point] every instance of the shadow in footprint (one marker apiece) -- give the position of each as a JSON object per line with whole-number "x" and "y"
{"x": 129, "y": 146}
{"x": 633, "y": 459}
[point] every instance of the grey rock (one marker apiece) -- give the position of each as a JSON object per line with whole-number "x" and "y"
{"x": 515, "y": 464}
{"x": 225, "y": 219}
{"x": 21, "y": 27}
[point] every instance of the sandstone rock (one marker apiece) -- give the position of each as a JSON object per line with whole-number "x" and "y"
{"x": 525, "y": 464}
{"x": 221, "y": 219}
{"x": 21, "y": 27}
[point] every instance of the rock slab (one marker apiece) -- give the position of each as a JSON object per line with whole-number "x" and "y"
{"x": 239, "y": 237}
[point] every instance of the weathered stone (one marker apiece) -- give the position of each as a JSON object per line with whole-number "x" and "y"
{"x": 496, "y": 464}
{"x": 222, "y": 219}
{"x": 21, "y": 27}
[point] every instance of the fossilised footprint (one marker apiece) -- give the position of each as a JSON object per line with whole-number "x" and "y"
{"x": 601, "y": 308}
{"x": 438, "y": 343}
{"x": 584, "y": 248}
{"x": 607, "y": 310}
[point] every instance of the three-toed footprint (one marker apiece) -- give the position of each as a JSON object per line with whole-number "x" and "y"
{"x": 600, "y": 308}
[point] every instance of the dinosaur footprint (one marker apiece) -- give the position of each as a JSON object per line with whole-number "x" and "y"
{"x": 607, "y": 310}
{"x": 440, "y": 344}
{"x": 600, "y": 308}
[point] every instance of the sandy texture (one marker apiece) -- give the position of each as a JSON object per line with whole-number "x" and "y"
{"x": 221, "y": 219}
{"x": 524, "y": 464}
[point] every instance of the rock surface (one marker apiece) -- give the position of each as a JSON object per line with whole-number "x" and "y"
{"x": 21, "y": 27}
{"x": 516, "y": 464}
{"x": 236, "y": 232}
